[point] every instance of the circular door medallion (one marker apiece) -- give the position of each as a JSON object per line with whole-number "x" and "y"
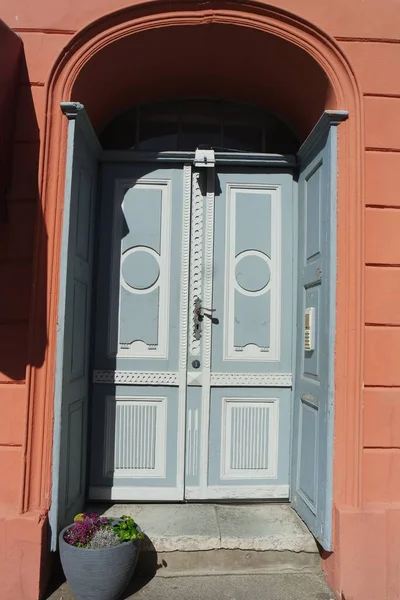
{"x": 252, "y": 271}
{"x": 140, "y": 269}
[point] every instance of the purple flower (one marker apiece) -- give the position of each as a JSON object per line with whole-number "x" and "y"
{"x": 83, "y": 530}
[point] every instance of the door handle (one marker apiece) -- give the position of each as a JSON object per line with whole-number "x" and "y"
{"x": 199, "y": 312}
{"x": 204, "y": 309}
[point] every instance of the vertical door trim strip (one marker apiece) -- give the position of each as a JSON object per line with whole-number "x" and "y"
{"x": 208, "y": 300}
{"x": 183, "y": 334}
{"x": 196, "y": 257}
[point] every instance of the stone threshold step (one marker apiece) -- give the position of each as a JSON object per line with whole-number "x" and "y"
{"x": 198, "y": 528}
{"x": 226, "y": 562}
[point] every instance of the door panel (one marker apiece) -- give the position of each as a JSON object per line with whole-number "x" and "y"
{"x": 140, "y": 269}
{"x": 253, "y": 277}
{"x": 248, "y": 449}
{"x": 314, "y": 385}
{"x": 135, "y": 433}
{"x": 312, "y": 366}
{"x": 74, "y": 313}
{"x": 141, "y": 333}
{"x": 245, "y": 349}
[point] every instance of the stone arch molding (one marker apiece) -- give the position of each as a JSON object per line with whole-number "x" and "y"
{"x": 270, "y": 20}
{"x": 153, "y": 15}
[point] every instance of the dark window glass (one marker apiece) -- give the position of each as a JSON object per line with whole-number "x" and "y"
{"x": 200, "y": 124}
{"x": 120, "y": 133}
{"x": 158, "y": 127}
{"x": 188, "y": 124}
{"x": 242, "y": 128}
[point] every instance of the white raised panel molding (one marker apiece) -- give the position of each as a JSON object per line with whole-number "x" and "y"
{"x": 196, "y": 259}
{"x": 136, "y": 377}
{"x": 238, "y": 492}
{"x": 192, "y": 442}
{"x": 127, "y": 454}
{"x": 134, "y": 493}
{"x": 139, "y": 349}
{"x": 252, "y": 352}
{"x": 252, "y": 379}
{"x": 249, "y": 434}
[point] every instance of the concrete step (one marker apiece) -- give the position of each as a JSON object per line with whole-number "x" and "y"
{"x": 290, "y": 586}
{"x": 197, "y": 539}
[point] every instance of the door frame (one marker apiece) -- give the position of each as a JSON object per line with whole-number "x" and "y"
{"x": 257, "y": 161}
{"x": 273, "y": 161}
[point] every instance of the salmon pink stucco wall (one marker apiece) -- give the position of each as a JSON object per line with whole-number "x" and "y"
{"x": 365, "y": 562}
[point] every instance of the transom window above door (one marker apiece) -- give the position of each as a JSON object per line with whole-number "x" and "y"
{"x": 184, "y": 125}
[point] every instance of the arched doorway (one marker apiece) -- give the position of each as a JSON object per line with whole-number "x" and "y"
{"x": 302, "y": 112}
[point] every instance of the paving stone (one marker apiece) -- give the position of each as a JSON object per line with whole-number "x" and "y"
{"x": 233, "y": 587}
{"x": 263, "y": 527}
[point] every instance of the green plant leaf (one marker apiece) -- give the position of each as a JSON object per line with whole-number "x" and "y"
{"x": 126, "y": 529}
{"x": 78, "y": 517}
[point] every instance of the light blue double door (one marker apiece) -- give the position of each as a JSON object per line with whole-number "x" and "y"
{"x": 193, "y": 333}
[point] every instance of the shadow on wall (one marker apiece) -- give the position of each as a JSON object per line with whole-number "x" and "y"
{"x": 260, "y": 69}
{"x": 22, "y": 340}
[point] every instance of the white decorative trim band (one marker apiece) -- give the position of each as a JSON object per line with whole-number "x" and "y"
{"x": 252, "y": 379}
{"x": 136, "y": 377}
{"x": 171, "y": 378}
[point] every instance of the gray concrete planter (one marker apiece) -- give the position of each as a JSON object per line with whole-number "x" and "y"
{"x": 100, "y": 573}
